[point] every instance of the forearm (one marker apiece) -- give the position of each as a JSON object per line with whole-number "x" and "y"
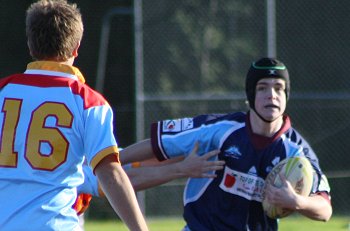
{"x": 136, "y": 152}
{"x": 314, "y": 207}
{"x": 120, "y": 194}
{"x": 192, "y": 166}
{"x": 146, "y": 177}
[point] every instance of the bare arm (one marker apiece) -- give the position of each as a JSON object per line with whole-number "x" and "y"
{"x": 137, "y": 152}
{"x": 192, "y": 166}
{"x": 120, "y": 194}
{"x": 314, "y": 206}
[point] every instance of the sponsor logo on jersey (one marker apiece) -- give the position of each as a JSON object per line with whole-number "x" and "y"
{"x": 171, "y": 125}
{"x": 233, "y": 152}
{"x": 247, "y": 185}
{"x": 252, "y": 171}
{"x": 187, "y": 124}
{"x": 177, "y": 125}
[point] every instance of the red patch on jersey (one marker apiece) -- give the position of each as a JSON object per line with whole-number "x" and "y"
{"x": 90, "y": 97}
{"x": 82, "y": 203}
{"x": 229, "y": 180}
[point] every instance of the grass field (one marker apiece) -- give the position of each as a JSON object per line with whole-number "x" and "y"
{"x": 293, "y": 223}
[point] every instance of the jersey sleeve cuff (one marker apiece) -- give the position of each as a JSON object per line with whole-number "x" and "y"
{"x": 102, "y": 154}
{"x": 155, "y": 141}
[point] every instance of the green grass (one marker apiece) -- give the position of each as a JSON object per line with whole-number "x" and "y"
{"x": 154, "y": 224}
{"x": 292, "y": 223}
{"x": 297, "y": 222}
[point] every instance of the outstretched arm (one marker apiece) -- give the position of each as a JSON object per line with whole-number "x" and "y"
{"x": 151, "y": 175}
{"x": 315, "y": 206}
{"x": 192, "y": 166}
{"x": 137, "y": 152}
{"x": 120, "y": 194}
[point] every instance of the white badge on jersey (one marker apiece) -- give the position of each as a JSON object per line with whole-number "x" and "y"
{"x": 246, "y": 185}
{"x": 177, "y": 125}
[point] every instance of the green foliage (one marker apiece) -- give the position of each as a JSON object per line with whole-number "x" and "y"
{"x": 201, "y": 45}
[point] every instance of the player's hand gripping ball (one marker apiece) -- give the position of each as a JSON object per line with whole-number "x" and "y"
{"x": 299, "y": 172}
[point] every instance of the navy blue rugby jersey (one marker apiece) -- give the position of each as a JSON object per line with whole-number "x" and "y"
{"x": 232, "y": 200}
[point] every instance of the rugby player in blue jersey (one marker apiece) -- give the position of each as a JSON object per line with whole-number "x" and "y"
{"x": 251, "y": 143}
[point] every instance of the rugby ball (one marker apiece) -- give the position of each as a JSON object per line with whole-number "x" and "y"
{"x": 299, "y": 172}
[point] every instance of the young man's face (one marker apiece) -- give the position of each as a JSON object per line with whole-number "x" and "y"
{"x": 270, "y": 98}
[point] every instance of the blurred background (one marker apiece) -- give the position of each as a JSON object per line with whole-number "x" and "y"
{"x": 160, "y": 59}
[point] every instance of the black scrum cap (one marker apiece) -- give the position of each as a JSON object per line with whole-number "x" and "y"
{"x": 264, "y": 68}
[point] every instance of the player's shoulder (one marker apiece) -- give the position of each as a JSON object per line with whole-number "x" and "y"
{"x": 90, "y": 96}
{"x": 294, "y": 137}
{"x": 5, "y": 80}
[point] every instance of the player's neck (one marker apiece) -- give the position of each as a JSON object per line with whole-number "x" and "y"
{"x": 263, "y": 128}
{"x": 69, "y": 61}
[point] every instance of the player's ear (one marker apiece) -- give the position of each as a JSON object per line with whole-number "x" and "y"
{"x": 75, "y": 51}
{"x": 30, "y": 52}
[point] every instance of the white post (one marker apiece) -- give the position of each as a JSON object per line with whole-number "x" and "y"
{"x": 140, "y": 114}
{"x": 271, "y": 28}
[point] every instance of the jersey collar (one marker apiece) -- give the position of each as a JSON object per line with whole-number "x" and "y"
{"x": 260, "y": 142}
{"x": 41, "y": 67}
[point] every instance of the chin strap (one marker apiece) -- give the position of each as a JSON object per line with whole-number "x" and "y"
{"x": 262, "y": 118}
